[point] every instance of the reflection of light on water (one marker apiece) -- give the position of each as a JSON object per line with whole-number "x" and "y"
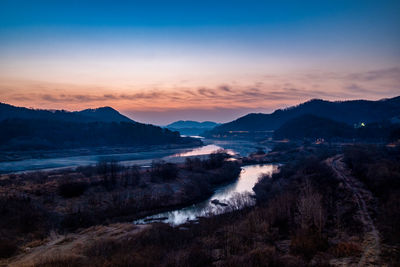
{"x": 193, "y": 136}
{"x": 204, "y": 150}
{"x": 131, "y": 158}
{"x": 228, "y": 194}
{"x": 246, "y": 181}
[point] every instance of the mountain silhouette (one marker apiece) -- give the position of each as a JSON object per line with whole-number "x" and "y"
{"x": 349, "y": 112}
{"x": 103, "y": 114}
{"x": 191, "y": 127}
{"x": 30, "y": 129}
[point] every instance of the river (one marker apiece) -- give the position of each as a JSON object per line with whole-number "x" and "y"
{"x": 232, "y": 196}
{"x": 138, "y": 158}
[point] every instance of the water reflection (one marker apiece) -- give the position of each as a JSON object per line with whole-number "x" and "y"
{"x": 235, "y": 195}
{"x": 200, "y": 151}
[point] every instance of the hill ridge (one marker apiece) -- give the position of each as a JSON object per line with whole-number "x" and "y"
{"x": 348, "y": 111}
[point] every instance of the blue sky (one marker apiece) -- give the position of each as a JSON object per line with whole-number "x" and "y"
{"x": 173, "y": 50}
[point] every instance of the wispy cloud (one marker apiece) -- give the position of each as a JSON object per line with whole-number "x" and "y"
{"x": 368, "y": 76}
{"x": 271, "y": 91}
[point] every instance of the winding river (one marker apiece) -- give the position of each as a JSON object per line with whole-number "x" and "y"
{"x": 232, "y": 196}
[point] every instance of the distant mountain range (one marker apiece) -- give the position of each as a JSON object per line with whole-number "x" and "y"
{"x": 349, "y": 112}
{"x": 192, "y": 124}
{"x": 30, "y": 129}
{"x": 191, "y": 127}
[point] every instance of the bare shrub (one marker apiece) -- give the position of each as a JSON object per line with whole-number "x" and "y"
{"x": 131, "y": 176}
{"x": 194, "y": 164}
{"x": 215, "y": 159}
{"x": 72, "y": 189}
{"x": 346, "y": 249}
{"x": 309, "y": 207}
{"x": 87, "y": 171}
{"x": 240, "y": 200}
{"x": 60, "y": 261}
{"x": 265, "y": 256}
{"x": 280, "y": 209}
{"x": 108, "y": 172}
{"x": 307, "y": 243}
{"x": 102, "y": 248}
{"x": 18, "y": 215}
{"x": 163, "y": 171}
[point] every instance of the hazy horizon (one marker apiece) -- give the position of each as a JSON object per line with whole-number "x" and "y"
{"x": 159, "y": 62}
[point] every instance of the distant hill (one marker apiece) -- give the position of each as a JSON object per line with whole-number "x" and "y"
{"x": 312, "y": 127}
{"x": 103, "y": 114}
{"x": 191, "y": 127}
{"x": 349, "y": 112}
{"x": 29, "y": 129}
{"x": 192, "y": 124}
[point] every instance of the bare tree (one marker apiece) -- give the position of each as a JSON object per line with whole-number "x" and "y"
{"x": 309, "y": 207}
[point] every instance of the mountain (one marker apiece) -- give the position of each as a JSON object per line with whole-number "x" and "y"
{"x": 29, "y": 129}
{"x": 103, "y": 114}
{"x": 191, "y": 127}
{"x": 350, "y": 112}
{"x": 192, "y": 124}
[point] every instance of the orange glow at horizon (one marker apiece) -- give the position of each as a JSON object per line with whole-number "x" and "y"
{"x": 186, "y": 98}
{"x": 269, "y": 92}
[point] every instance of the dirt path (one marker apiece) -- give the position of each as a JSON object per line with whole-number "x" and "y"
{"x": 71, "y": 245}
{"x": 371, "y": 243}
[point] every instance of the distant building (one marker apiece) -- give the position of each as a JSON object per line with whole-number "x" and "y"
{"x": 359, "y": 125}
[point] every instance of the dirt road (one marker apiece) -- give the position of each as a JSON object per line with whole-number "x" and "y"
{"x": 371, "y": 243}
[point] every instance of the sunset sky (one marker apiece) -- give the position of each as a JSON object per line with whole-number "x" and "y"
{"x": 160, "y": 61}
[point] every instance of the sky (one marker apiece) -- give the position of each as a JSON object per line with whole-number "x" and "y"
{"x": 161, "y": 61}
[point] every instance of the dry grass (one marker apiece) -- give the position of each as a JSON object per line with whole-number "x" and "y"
{"x": 61, "y": 250}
